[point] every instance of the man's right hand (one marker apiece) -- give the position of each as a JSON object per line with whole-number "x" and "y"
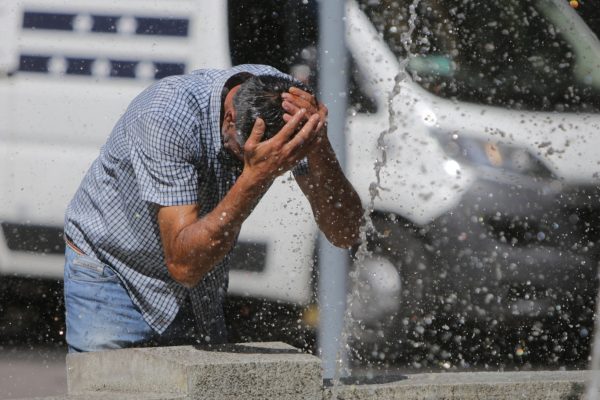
{"x": 264, "y": 161}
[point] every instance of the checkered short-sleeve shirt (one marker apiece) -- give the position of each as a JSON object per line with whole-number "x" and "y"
{"x": 165, "y": 150}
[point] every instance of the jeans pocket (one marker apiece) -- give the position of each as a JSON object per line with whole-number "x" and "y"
{"x": 87, "y": 269}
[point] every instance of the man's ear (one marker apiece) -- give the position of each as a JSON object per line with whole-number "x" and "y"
{"x": 228, "y": 118}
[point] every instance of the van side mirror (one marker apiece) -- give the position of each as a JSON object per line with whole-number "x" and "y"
{"x": 432, "y": 65}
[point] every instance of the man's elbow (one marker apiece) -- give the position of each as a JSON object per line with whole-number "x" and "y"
{"x": 344, "y": 241}
{"x": 344, "y": 235}
{"x": 184, "y": 274}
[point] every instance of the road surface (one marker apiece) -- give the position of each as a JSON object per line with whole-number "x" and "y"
{"x": 32, "y": 371}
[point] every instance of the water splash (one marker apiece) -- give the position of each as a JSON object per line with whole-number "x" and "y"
{"x": 368, "y": 229}
{"x": 403, "y": 76}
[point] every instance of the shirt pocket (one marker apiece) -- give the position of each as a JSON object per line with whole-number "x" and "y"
{"x": 88, "y": 269}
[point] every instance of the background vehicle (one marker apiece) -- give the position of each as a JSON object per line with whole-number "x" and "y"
{"x": 486, "y": 205}
{"x": 504, "y": 99}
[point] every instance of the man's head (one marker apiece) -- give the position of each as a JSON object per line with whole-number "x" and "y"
{"x": 258, "y": 96}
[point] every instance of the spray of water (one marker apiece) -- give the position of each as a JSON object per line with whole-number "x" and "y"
{"x": 368, "y": 228}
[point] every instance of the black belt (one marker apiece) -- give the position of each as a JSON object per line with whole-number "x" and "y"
{"x": 70, "y": 243}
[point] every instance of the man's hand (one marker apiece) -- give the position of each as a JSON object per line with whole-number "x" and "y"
{"x": 297, "y": 99}
{"x": 264, "y": 161}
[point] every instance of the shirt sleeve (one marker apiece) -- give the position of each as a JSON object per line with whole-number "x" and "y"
{"x": 164, "y": 159}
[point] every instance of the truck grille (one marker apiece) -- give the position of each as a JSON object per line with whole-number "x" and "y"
{"x": 177, "y": 27}
{"x": 246, "y": 256}
{"x": 249, "y": 256}
{"x": 34, "y": 238}
{"x": 84, "y": 66}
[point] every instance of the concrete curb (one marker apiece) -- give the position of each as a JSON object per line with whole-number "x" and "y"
{"x": 236, "y": 371}
{"x": 278, "y": 371}
{"x": 539, "y": 385}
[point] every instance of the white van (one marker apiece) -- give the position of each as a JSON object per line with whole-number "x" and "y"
{"x": 466, "y": 157}
{"x": 491, "y": 175}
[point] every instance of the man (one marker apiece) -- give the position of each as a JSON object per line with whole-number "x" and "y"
{"x": 151, "y": 226}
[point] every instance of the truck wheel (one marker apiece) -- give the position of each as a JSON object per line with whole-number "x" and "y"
{"x": 388, "y": 299}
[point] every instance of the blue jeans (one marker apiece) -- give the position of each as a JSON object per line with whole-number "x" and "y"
{"x": 100, "y": 314}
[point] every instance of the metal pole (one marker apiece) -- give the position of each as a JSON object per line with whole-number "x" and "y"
{"x": 593, "y": 383}
{"x": 333, "y": 262}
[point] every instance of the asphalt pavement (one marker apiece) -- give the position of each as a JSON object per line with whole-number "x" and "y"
{"x": 32, "y": 371}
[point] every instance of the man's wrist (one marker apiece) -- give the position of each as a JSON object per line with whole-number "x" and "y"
{"x": 255, "y": 184}
{"x": 321, "y": 155}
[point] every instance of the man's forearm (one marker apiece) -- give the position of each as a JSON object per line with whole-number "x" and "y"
{"x": 201, "y": 244}
{"x": 335, "y": 203}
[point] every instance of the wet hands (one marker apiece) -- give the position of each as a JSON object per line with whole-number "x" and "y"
{"x": 297, "y": 99}
{"x": 265, "y": 160}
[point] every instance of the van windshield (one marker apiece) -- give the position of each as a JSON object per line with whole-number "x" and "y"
{"x": 531, "y": 55}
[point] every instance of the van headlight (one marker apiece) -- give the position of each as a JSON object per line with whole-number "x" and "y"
{"x": 486, "y": 153}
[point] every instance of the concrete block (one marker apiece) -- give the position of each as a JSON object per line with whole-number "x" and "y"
{"x": 538, "y": 385}
{"x": 233, "y": 371}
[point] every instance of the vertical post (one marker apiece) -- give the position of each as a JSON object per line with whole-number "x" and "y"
{"x": 333, "y": 262}
{"x": 593, "y": 383}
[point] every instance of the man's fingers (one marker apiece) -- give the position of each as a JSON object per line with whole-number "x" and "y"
{"x": 302, "y": 94}
{"x": 257, "y": 133}
{"x": 320, "y": 125}
{"x": 323, "y": 111}
{"x": 305, "y": 135}
{"x": 290, "y": 127}
{"x": 290, "y": 107}
{"x": 299, "y": 102}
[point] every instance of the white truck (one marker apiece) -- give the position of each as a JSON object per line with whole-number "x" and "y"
{"x": 472, "y": 162}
